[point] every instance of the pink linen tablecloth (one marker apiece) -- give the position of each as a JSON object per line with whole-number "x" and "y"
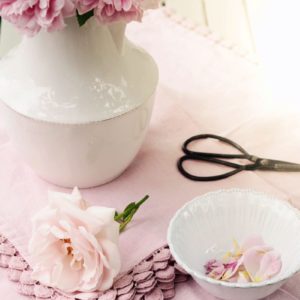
{"x": 204, "y": 88}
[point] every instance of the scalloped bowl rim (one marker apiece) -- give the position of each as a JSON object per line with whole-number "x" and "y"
{"x": 207, "y": 279}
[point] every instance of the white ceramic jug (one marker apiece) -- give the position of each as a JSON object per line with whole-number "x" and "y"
{"x": 77, "y": 103}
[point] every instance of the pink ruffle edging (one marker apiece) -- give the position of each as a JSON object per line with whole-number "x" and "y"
{"x": 152, "y": 279}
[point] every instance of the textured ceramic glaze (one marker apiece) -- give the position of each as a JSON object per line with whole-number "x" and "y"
{"x": 77, "y": 103}
{"x": 205, "y": 228}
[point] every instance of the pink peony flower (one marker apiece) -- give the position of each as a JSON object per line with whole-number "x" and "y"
{"x": 87, "y": 5}
{"x": 122, "y": 8}
{"x": 30, "y": 16}
{"x": 75, "y": 247}
{"x": 108, "y": 11}
{"x": 21, "y": 14}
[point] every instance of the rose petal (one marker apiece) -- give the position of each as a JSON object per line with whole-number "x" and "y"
{"x": 243, "y": 277}
{"x": 231, "y": 269}
{"x": 270, "y": 266}
{"x": 252, "y": 259}
{"x": 252, "y": 241}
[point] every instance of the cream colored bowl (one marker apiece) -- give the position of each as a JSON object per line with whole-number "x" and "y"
{"x": 205, "y": 227}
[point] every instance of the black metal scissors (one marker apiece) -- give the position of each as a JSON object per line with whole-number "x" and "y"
{"x": 221, "y": 159}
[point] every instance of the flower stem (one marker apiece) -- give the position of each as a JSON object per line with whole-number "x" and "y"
{"x": 127, "y": 215}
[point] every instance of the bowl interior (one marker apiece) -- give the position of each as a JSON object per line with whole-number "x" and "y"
{"x": 205, "y": 228}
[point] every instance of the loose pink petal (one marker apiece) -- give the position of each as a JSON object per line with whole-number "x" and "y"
{"x": 243, "y": 278}
{"x": 270, "y": 265}
{"x": 252, "y": 259}
{"x": 217, "y": 273}
{"x": 252, "y": 241}
{"x": 232, "y": 268}
{"x": 233, "y": 279}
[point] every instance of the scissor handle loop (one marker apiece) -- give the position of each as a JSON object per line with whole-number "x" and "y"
{"x": 187, "y": 151}
{"x": 237, "y": 168}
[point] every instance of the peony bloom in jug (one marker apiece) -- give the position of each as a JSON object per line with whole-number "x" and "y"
{"x": 30, "y": 16}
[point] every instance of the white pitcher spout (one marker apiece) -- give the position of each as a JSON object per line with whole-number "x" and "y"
{"x": 117, "y": 31}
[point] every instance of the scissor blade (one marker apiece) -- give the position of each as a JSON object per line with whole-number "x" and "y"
{"x": 278, "y": 165}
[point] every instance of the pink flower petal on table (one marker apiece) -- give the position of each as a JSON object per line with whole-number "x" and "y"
{"x": 252, "y": 241}
{"x": 270, "y": 265}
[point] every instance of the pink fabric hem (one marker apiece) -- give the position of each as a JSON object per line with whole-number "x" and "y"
{"x": 153, "y": 278}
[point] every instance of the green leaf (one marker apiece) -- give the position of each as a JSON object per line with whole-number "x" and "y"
{"x": 127, "y": 215}
{"x": 82, "y": 19}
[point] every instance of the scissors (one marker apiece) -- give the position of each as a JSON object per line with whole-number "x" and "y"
{"x": 256, "y": 163}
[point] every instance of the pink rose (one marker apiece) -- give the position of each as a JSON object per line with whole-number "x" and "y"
{"x": 30, "y": 16}
{"x": 74, "y": 247}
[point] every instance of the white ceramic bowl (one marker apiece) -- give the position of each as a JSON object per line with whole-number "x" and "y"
{"x": 205, "y": 227}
